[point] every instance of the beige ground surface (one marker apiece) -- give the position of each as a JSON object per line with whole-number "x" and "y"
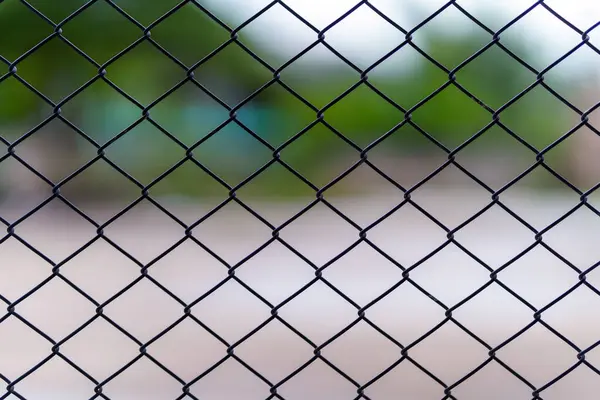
{"x": 319, "y": 313}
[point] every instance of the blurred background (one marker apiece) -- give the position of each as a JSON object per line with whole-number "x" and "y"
{"x": 146, "y": 111}
{"x": 275, "y": 115}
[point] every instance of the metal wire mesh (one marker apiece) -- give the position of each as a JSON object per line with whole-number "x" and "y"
{"x": 446, "y": 389}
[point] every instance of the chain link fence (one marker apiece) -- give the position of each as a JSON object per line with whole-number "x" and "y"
{"x": 399, "y": 352}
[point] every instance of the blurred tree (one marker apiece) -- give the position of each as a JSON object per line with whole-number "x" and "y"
{"x": 102, "y": 32}
{"x": 451, "y": 116}
{"x": 189, "y": 35}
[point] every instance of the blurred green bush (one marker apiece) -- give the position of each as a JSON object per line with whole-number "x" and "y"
{"x": 190, "y": 114}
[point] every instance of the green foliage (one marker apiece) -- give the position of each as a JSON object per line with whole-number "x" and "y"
{"x": 102, "y": 33}
{"x": 452, "y": 116}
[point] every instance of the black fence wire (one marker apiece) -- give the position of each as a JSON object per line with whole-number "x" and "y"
{"x": 447, "y": 389}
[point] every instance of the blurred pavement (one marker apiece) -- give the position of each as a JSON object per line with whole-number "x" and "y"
{"x": 319, "y": 313}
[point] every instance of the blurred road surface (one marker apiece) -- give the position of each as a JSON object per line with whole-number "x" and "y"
{"x": 189, "y": 271}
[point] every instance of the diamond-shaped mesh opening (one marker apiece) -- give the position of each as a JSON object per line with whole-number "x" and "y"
{"x": 505, "y": 159}
{"x": 127, "y": 310}
{"x": 579, "y": 227}
{"x": 339, "y": 38}
{"x": 256, "y": 35}
{"x": 448, "y": 46}
{"x": 450, "y": 263}
{"x": 131, "y": 74}
{"x": 22, "y": 348}
{"x": 414, "y": 160}
{"x": 276, "y": 126}
{"x": 530, "y": 353}
{"x": 397, "y": 237}
{"x": 181, "y": 33}
{"x": 58, "y": 379}
{"x": 100, "y": 349}
{"x": 573, "y": 158}
{"x": 116, "y": 191}
{"x": 521, "y": 198}
{"x": 188, "y": 271}
{"x": 55, "y": 162}
{"x": 22, "y": 269}
{"x": 331, "y": 155}
{"x": 21, "y": 29}
{"x": 496, "y": 315}
{"x": 362, "y": 264}
{"x": 56, "y": 309}
{"x": 188, "y": 113}
{"x": 364, "y": 195}
{"x": 101, "y": 31}
{"x": 439, "y": 352}
{"x": 321, "y": 91}
{"x": 410, "y": 322}
{"x": 559, "y": 37}
{"x": 22, "y": 189}
{"x": 539, "y": 104}
{"x": 579, "y": 328}
{"x": 582, "y": 382}
{"x": 275, "y": 264}
{"x": 414, "y": 77}
{"x": 100, "y": 112}
{"x": 232, "y": 233}
{"x": 480, "y": 238}
{"x": 187, "y": 349}
{"x": 103, "y": 263}
{"x": 56, "y": 231}
{"x": 494, "y": 67}
{"x": 144, "y": 141}
{"x": 245, "y": 75}
{"x": 69, "y": 72}
{"x": 232, "y": 153}
{"x": 218, "y": 199}
{"x": 366, "y": 362}
{"x": 275, "y": 351}
{"x": 318, "y": 303}
{"x": 458, "y": 188}
{"x": 500, "y": 382}
{"x": 21, "y": 107}
{"x": 363, "y": 116}
{"x": 451, "y": 117}
{"x": 578, "y": 92}
{"x": 314, "y": 245}
{"x": 551, "y": 277}
{"x": 225, "y": 319}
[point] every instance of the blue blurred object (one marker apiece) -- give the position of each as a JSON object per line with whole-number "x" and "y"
{"x": 231, "y": 145}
